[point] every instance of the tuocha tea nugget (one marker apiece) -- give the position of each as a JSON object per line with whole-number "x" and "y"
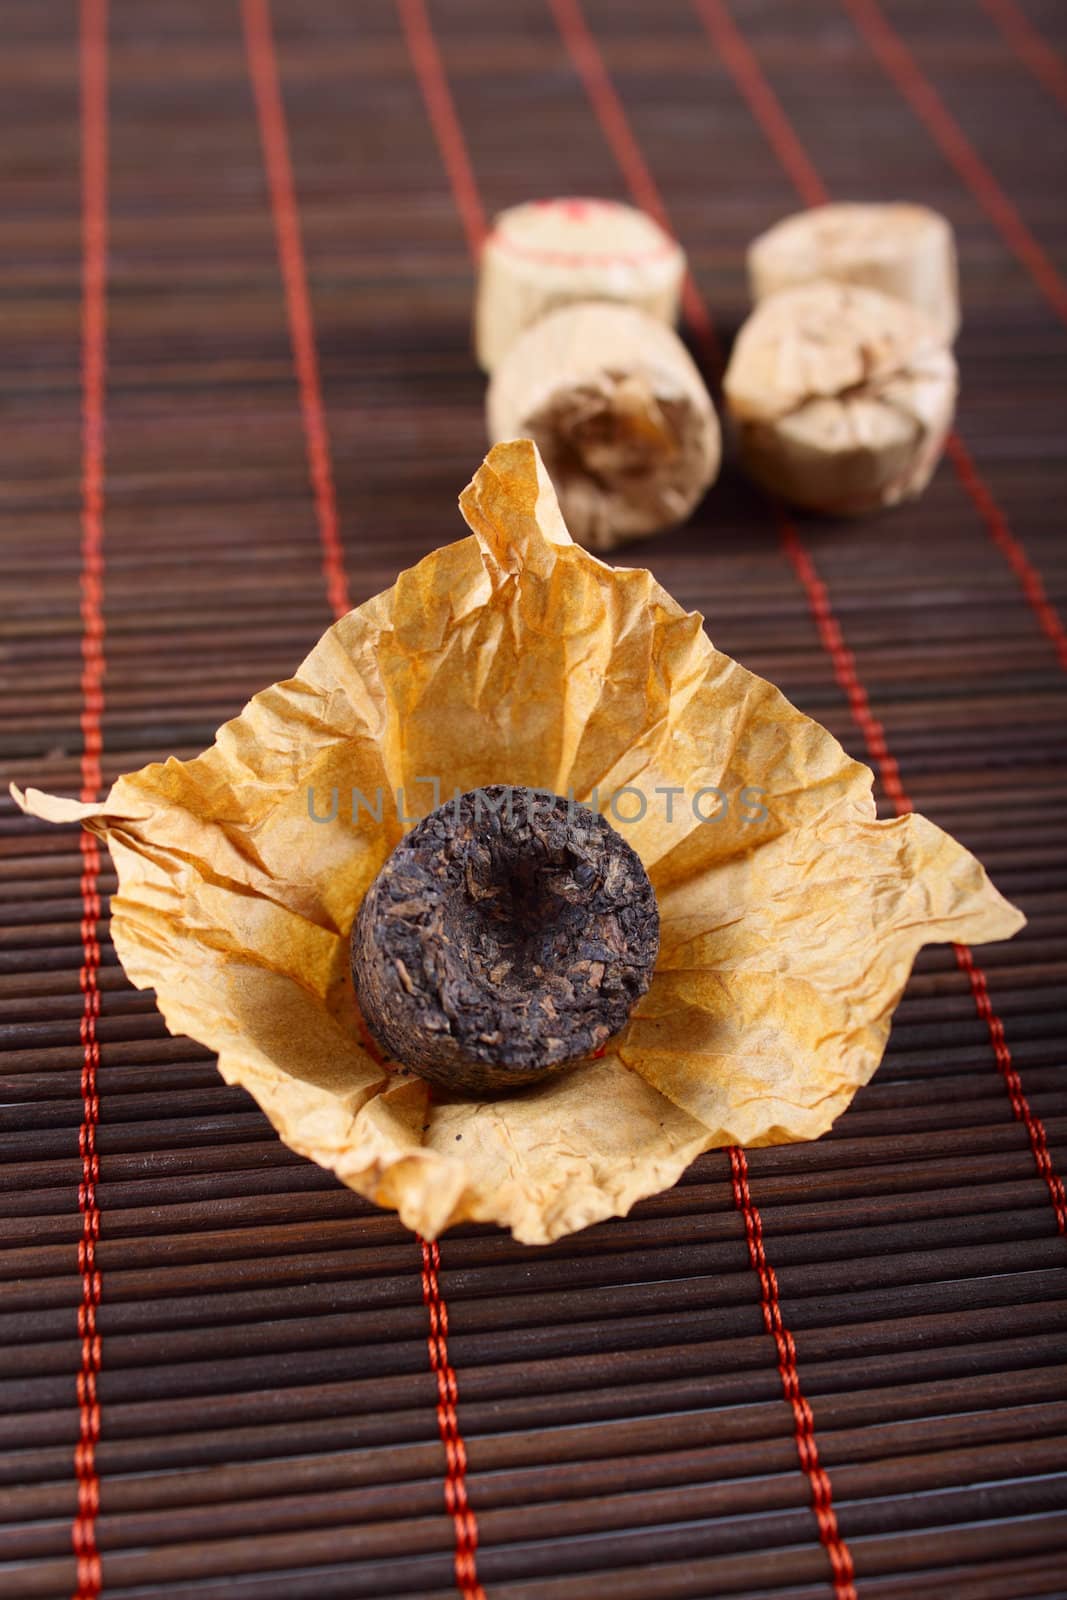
{"x": 906, "y": 251}
{"x": 620, "y": 415}
{"x": 842, "y": 397}
{"x": 509, "y": 934}
{"x": 550, "y": 253}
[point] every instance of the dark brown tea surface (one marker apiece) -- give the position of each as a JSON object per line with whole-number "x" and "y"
{"x": 510, "y": 933}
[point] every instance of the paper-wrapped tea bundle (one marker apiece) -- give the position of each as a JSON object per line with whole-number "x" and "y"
{"x": 906, "y": 251}
{"x": 550, "y": 253}
{"x": 789, "y": 915}
{"x": 842, "y": 397}
{"x": 620, "y": 415}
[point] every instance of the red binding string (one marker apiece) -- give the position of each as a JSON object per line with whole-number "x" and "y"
{"x": 463, "y": 1518}
{"x": 263, "y": 70}
{"x": 803, "y": 1418}
{"x": 783, "y": 139}
{"x": 1030, "y": 581}
{"x": 1030, "y": 47}
{"x": 456, "y": 1500}
{"x": 441, "y": 109}
{"x": 900, "y": 65}
{"x": 611, "y": 114}
{"x": 764, "y": 104}
{"x": 844, "y": 663}
{"x": 94, "y": 141}
{"x": 614, "y": 123}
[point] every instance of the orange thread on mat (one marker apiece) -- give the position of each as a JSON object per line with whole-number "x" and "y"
{"x": 587, "y": 61}
{"x": 463, "y": 1519}
{"x": 803, "y": 1418}
{"x": 782, "y": 137}
{"x": 1030, "y": 580}
{"x": 900, "y": 65}
{"x": 440, "y": 107}
{"x": 263, "y": 70}
{"x": 1030, "y": 47}
{"x": 93, "y": 89}
{"x": 1021, "y": 1109}
{"x": 844, "y": 663}
{"x": 764, "y": 104}
{"x": 270, "y": 109}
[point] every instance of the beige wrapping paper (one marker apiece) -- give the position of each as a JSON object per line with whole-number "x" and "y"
{"x": 906, "y": 251}
{"x": 787, "y": 936}
{"x": 550, "y": 253}
{"x": 843, "y": 397}
{"x": 620, "y": 415}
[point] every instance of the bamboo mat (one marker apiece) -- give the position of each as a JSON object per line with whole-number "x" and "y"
{"x": 235, "y": 275}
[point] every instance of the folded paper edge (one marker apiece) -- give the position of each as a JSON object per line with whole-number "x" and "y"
{"x": 54, "y": 807}
{"x": 512, "y": 486}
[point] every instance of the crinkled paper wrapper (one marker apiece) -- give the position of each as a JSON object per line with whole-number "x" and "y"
{"x": 515, "y": 656}
{"x": 620, "y": 414}
{"x": 842, "y": 395}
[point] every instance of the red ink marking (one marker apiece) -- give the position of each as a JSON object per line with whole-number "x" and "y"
{"x": 578, "y": 210}
{"x": 94, "y": 146}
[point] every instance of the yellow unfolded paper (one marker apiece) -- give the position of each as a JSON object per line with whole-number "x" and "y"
{"x": 789, "y": 924}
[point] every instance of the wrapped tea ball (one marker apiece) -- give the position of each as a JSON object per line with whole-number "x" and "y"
{"x": 509, "y": 934}
{"x": 620, "y": 414}
{"x": 842, "y": 397}
{"x": 550, "y": 253}
{"x": 906, "y": 251}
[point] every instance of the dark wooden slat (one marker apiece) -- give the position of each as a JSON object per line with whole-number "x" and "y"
{"x": 633, "y": 1502}
{"x": 191, "y": 1189}
{"x": 706, "y": 1218}
{"x": 515, "y": 1485}
{"x": 409, "y": 1438}
{"x": 405, "y": 1546}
